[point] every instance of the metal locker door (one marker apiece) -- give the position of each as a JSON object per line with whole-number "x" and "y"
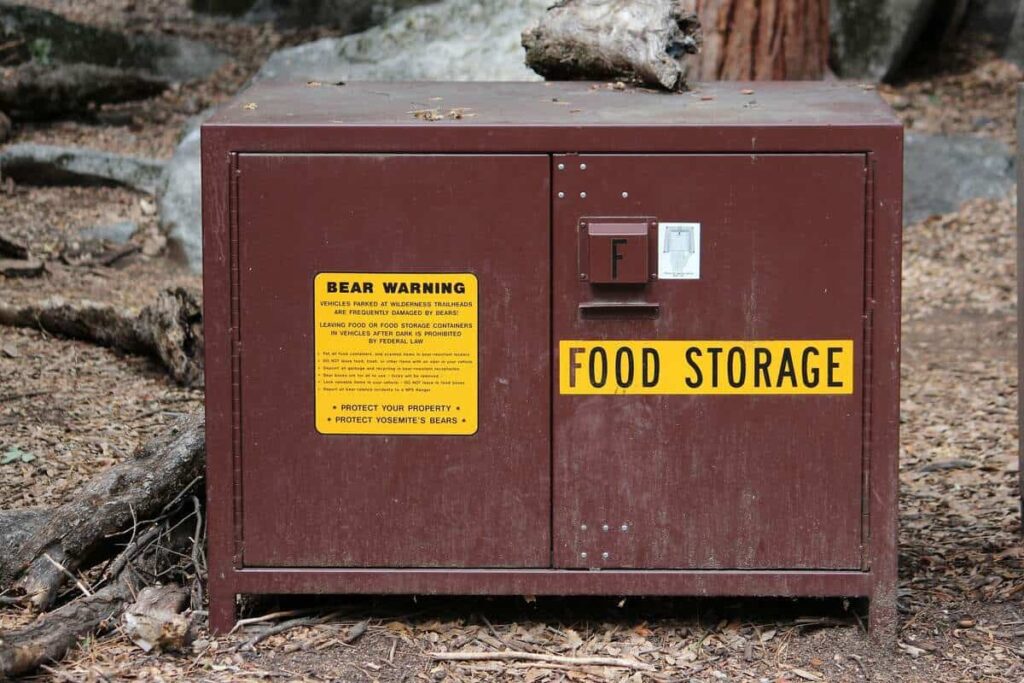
{"x": 708, "y": 481}
{"x": 465, "y": 496}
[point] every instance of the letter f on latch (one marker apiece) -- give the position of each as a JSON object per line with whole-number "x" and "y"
{"x": 616, "y": 256}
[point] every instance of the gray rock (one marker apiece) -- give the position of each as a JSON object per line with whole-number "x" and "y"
{"x": 180, "y": 201}
{"x": 456, "y": 40}
{"x": 175, "y": 57}
{"x": 34, "y": 164}
{"x": 943, "y": 171}
{"x": 872, "y": 38}
{"x": 348, "y": 16}
{"x": 118, "y": 233}
{"x": 1013, "y": 49}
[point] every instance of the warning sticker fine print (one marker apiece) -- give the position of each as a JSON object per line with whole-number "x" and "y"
{"x": 396, "y": 353}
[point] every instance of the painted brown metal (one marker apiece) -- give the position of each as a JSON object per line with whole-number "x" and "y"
{"x": 793, "y": 496}
{"x": 716, "y": 482}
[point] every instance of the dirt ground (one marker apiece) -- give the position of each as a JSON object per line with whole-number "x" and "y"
{"x": 69, "y": 409}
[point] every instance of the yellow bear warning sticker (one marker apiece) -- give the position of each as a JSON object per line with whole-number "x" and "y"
{"x": 396, "y": 353}
{"x": 706, "y": 367}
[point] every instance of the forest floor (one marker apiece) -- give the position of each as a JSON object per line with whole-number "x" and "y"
{"x": 70, "y": 409}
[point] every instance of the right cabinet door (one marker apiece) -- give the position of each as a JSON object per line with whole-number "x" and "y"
{"x": 732, "y": 474}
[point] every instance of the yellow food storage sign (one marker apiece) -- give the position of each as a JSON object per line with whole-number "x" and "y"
{"x": 706, "y": 367}
{"x": 396, "y": 353}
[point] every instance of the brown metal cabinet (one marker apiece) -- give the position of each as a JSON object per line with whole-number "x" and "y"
{"x": 564, "y": 340}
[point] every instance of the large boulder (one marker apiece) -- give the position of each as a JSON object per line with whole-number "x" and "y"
{"x": 455, "y": 40}
{"x": 348, "y": 16}
{"x": 180, "y": 200}
{"x": 872, "y": 38}
{"x": 1013, "y": 48}
{"x": 943, "y": 171}
{"x": 460, "y": 40}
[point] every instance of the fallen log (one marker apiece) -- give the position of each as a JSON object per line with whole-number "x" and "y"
{"x": 154, "y": 614}
{"x": 18, "y": 525}
{"x": 50, "y": 637}
{"x": 43, "y": 550}
{"x": 639, "y": 40}
{"x": 170, "y": 330}
{"x": 37, "y": 91}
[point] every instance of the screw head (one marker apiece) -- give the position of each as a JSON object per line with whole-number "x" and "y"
{"x": 583, "y": 167}
{"x": 583, "y": 195}
{"x": 604, "y": 527}
{"x": 583, "y": 555}
{"x": 625, "y": 527}
{"x": 561, "y": 195}
{"x": 625, "y": 195}
{"x": 583, "y": 527}
{"x": 561, "y": 167}
{"x": 604, "y": 556}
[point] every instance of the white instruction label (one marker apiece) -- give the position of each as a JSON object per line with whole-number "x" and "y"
{"x": 678, "y": 251}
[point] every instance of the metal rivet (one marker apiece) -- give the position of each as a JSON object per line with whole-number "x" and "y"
{"x": 561, "y": 167}
{"x": 604, "y": 556}
{"x": 583, "y": 555}
{"x": 583, "y": 167}
{"x": 583, "y": 195}
{"x": 583, "y": 527}
{"x": 561, "y": 195}
{"x": 604, "y": 527}
{"x": 625, "y": 195}
{"x": 625, "y": 527}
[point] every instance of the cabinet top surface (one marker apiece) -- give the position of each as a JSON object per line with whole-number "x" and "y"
{"x": 558, "y": 104}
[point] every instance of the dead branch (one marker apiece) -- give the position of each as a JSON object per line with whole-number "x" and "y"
{"x": 541, "y": 657}
{"x": 286, "y": 626}
{"x": 12, "y": 248}
{"x": 37, "y": 91}
{"x": 18, "y": 525}
{"x": 169, "y": 330}
{"x": 643, "y": 40}
{"x": 80, "y": 531}
{"x": 48, "y": 638}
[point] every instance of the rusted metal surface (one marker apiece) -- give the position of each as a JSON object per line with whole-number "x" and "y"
{"x": 737, "y": 495}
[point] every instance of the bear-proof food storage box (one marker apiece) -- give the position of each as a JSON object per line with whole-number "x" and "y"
{"x": 540, "y": 338}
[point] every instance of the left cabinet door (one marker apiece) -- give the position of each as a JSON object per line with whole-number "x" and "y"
{"x": 393, "y": 364}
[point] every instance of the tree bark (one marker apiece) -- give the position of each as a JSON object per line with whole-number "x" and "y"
{"x": 642, "y": 40}
{"x": 80, "y": 531}
{"x": 762, "y": 39}
{"x": 50, "y": 637}
{"x": 170, "y": 330}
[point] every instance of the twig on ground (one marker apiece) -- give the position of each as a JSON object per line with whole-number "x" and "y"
{"x": 81, "y": 586}
{"x": 538, "y": 657}
{"x": 242, "y": 623}
{"x": 285, "y": 626}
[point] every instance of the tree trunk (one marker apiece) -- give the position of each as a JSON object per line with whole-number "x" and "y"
{"x": 762, "y": 40}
